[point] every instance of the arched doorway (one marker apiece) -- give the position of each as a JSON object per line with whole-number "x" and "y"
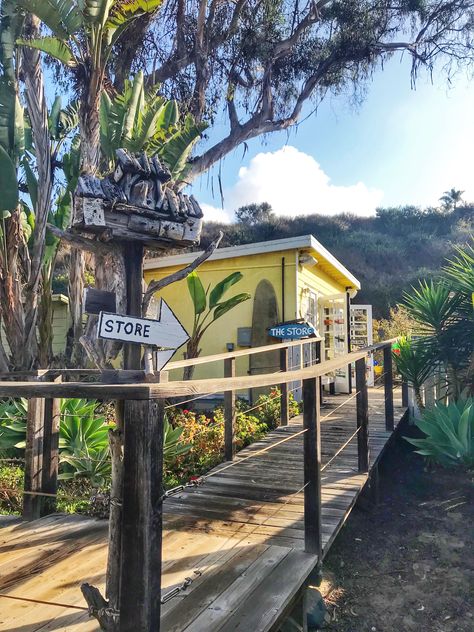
{"x": 265, "y": 315}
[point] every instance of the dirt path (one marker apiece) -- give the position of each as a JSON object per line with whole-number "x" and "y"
{"x": 407, "y": 563}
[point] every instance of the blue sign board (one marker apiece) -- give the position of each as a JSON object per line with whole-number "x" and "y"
{"x": 294, "y": 330}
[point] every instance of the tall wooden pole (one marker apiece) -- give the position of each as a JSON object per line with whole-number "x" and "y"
{"x": 140, "y": 577}
{"x": 388, "y": 387}
{"x": 229, "y": 413}
{"x": 284, "y": 399}
{"x": 312, "y": 467}
{"x": 362, "y": 415}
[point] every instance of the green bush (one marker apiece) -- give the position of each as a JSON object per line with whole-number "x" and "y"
{"x": 449, "y": 431}
{"x": 268, "y": 408}
{"x": 11, "y": 486}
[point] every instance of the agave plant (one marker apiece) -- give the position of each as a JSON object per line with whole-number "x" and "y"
{"x": 449, "y": 431}
{"x": 208, "y": 307}
{"x": 94, "y": 465}
{"x": 172, "y": 444}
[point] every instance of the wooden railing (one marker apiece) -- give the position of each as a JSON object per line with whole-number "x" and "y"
{"x": 144, "y": 411}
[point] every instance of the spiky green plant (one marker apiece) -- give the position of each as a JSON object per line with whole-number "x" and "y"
{"x": 415, "y": 363}
{"x": 444, "y": 314}
{"x": 449, "y": 431}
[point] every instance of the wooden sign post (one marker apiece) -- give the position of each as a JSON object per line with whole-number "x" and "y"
{"x": 134, "y": 207}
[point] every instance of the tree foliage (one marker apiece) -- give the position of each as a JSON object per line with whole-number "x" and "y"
{"x": 253, "y": 214}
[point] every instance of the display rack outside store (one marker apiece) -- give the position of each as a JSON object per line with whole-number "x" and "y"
{"x": 334, "y": 330}
{"x": 362, "y": 335}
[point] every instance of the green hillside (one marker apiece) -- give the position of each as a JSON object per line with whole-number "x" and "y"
{"x": 387, "y": 253}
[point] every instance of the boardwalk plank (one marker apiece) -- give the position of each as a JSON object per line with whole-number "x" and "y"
{"x": 243, "y": 529}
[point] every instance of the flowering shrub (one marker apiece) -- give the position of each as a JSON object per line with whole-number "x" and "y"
{"x": 269, "y": 407}
{"x": 205, "y": 434}
{"x": 206, "y": 437}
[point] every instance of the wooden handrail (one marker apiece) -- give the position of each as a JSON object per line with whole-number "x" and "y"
{"x": 179, "y": 388}
{"x": 179, "y": 364}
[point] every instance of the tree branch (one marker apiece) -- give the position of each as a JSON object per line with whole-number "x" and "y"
{"x": 156, "y": 286}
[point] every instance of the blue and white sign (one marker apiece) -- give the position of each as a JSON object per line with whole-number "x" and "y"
{"x": 294, "y": 330}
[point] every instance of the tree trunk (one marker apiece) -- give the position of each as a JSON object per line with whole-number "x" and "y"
{"x": 38, "y": 114}
{"x": 89, "y": 125}
{"x": 192, "y": 351}
{"x": 45, "y": 319}
{"x": 13, "y": 254}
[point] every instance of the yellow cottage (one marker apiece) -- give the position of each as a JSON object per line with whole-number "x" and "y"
{"x": 287, "y": 279}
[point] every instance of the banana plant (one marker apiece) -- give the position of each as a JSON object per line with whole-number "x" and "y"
{"x": 82, "y": 36}
{"x": 142, "y": 120}
{"x": 208, "y": 307}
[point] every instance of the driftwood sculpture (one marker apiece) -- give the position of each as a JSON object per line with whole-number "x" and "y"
{"x": 134, "y": 203}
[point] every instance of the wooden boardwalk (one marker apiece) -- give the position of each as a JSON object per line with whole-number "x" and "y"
{"x": 239, "y": 537}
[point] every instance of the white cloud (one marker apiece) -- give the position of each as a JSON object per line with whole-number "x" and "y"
{"x": 294, "y": 184}
{"x": 214, "y": 214}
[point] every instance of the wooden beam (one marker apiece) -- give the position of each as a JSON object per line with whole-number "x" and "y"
{"x": 49, "y": 483}
{"x": 34, "y": 458}
{"x": 405, "y": 399}
{"x": 171, "y": 389}
{"x": 362, "y": 415}
{"x": 388, "y": 386}
{"x": 75, "y": 389}
{"x": 179, "y": 364}
{"x": 229, "y": 412}
{"x": 140, "y": 586}
{"x": 133, "y": 258}
{"x": 312, "y": 467}
{"x": 284, "y": 400}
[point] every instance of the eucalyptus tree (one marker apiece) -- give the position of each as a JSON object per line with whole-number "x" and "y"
{"x": 267, "y": 64}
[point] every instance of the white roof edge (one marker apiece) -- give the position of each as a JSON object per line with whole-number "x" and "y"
{"x": 304, "y": 241}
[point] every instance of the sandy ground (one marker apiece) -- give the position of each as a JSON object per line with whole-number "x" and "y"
{"x": 406, "y": 563}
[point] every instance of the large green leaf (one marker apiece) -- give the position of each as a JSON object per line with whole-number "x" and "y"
{"x": 123, "y": 13}
{"x": 196, "y": 290}
{"x": 8, "y": 182}
{"x": 223, "y": 308}
{"x": 133, "y": 106}
{"x": 97, "y": 11}
{"x": 52, "y": 46}
{"x": 53, "y": 118}
{"x": 176, "y": 151}
{"x": 11, "y": 22}
{"x": 221, "y": 288}
{"x": 168, "y": 116}
{"x": 63, "y": 17}
{"x": 31, "y": 181}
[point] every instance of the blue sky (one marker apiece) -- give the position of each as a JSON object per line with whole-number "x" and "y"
{"x": 400, "y": 146}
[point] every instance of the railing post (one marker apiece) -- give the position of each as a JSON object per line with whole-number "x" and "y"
{"x": 388, "y": 387}
{"x": 362, "y": 415}
{"x": 312, "y": 466}
{"x": 142, "y": 515}
{"x": 229, "y": 413}
{"x": 34, "y": 458}
{"x": 405, "y": 394}
{"x": 284, "y": 399}
{"x": 49, "y": 481}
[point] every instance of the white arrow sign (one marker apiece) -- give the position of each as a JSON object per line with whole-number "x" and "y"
{"x": 166, "y": 332}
